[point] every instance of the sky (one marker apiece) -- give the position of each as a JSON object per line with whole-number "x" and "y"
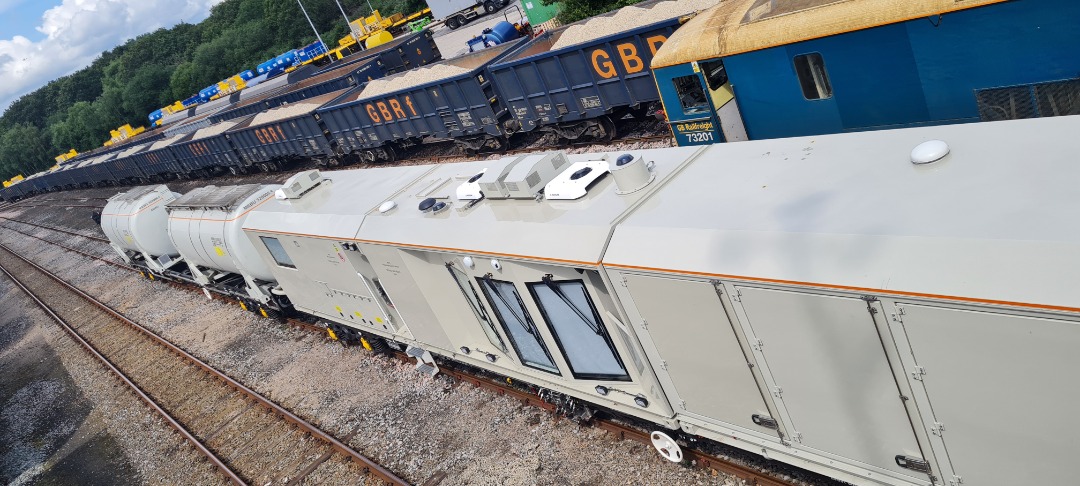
{"x": 41, "y": 40}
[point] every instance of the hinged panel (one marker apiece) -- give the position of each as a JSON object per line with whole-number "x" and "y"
{"x": 826, "y": 359}
{"x": 1000, "y": 386}
{"x": 699, "y": 350}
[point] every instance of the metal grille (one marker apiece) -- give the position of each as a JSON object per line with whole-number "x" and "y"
{"x": 226, "y": 198}
{"x": 1057, "y": 98}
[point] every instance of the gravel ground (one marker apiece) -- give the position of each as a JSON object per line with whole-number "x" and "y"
{"x": 153, "y": 453}
{"x": 418, "y": 427}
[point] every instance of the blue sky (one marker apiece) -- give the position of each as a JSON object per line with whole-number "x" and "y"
{"x": 41, "y": 40}
{"x": 20, "y": 17}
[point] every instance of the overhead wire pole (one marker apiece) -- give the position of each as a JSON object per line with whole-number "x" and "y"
{"x": 348, "y": 23}
{"x": 313, "y": 29}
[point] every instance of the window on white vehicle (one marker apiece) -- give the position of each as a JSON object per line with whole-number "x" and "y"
{"x": 469, "y": 291}
{"x": 578, "y": 330}
{"x": 277, "y": 251}
{"x": 691, "y": 95}
{"x": 518, "y": 324}
{"x": 810, "y": 68}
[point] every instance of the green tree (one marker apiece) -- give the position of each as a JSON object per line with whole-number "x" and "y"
{"x": 574, "y": 10}
{"x": 24, "y": 149}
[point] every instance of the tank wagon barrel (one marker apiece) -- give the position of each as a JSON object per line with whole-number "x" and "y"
{"x": 134, "y": 222}
{"x": 205, "y": 227}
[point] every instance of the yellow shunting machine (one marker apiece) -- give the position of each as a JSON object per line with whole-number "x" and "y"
{"x": 61, "y": 158}
{"x": 123, "y": 133}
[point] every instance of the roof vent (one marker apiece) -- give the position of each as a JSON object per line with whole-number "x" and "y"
{"x": 524, "y": 177}
{"x": 574, "y": 182}
{"x": 299, "y": 184}
{"x": 632, "y": 173}
{"x": 470, "y": 189}
{"x": 930, "y": 151}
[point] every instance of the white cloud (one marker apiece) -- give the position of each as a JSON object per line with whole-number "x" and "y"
{"x": 77, "y": 31}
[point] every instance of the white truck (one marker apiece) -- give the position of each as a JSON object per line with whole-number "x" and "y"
{"x": 456, "y": 13}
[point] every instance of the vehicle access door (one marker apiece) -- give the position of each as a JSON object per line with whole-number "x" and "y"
{"x": 700, "y": 103}
{"x": 825, "y": 364}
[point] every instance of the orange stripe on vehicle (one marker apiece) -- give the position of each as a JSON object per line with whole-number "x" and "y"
{"x": 849, "y": 288}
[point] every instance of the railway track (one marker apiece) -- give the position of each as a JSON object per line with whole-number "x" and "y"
{"x": 693, "y": 456}
{"x": 249, "y": 438}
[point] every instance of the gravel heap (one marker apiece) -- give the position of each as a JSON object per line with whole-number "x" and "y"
{"x": 411, "y": 78}
{"x": 131, "y": 150}
{"x": 166, "y": 142}
{"x": 418, "y": 427}
{"x": 628, "y": 18}
{"x": 281, "y": 113}
{"x": 212, "y": 130}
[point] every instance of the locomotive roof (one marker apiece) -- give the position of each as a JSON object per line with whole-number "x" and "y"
{"x": 991, "y": 222}
{"x": 565, "y": 231}
{"x": 737, "y": 26}
{"x": 337, "y": 206}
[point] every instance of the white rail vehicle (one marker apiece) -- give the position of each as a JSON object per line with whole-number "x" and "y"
{"x": 206, "y": 225}
{"x": 843, "y": 303}
{"x": 134, "y": 222}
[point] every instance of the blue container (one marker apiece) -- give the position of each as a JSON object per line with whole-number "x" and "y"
{"x": 503, "y": 31}
{"x": 208, "y": 92}
{"x": 311, "y": 51}
{"x": 247, "y": 75}
{"x": 265, "y": 66}
{"x": 194, "y": 100}
{"x": 155, "y": 116}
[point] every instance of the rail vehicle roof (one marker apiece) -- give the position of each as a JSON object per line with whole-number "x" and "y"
{"x": 334, "y": 209}
{"x": 992, "y": 221}
{"x": 737, "y": 26}
{"x": 566, "y": 231}
{"x": 225, "y": 198}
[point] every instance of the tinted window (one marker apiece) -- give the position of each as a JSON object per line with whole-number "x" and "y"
{"x": 469, "y": 291}
{"x": 691, "y": 95}
{"x": 578, "y": 330}
{"x": 715, "y": 74}
{"x": 810, "y": 68}
{"x": 277, "y": 251}
{"x": 518, "y": 324}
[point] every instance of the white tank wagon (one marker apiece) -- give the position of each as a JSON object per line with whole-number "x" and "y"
{"x": 205, "y": 225}
{"x": 135, "y": 223}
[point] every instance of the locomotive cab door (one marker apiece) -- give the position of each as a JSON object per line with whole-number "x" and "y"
{"x": 700, "y": 104}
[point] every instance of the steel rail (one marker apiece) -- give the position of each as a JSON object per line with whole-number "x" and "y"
{"x": 369, "y": 465}
{"x": 59, "y": 230}
{"x": 119, "y": 374}
{"x": 68, "y": 248}
{"x": 702, "y": 459}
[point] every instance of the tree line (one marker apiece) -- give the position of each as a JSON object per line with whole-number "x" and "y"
{"x": 125, "y": 84}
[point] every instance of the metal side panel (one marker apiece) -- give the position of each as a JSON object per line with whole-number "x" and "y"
{"x": 1003, "y": 390}
{"x": 828, "y": 368}
{"x": 686, "y": 322}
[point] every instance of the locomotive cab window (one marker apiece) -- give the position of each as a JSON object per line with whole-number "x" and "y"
{"x": 473, "y": 298}
{"x": 277, "y": 251}
{"x": 715, "y": 74}
{"x": 810, "y": 68}
{"x": 578, "y": 330}
{"x": 518, "y": 324}
{"x": 691, "y": 95}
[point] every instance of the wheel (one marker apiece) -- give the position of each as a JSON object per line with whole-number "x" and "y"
{"x": 453, "y": 22}
{"x": 666, "y": 446}
{"x": 490, "y": 7}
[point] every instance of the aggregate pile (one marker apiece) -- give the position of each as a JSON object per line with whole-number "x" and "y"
{"x": 166, "y": 142}
{"x": 628, "y": 18}
{"x": 411, "y": 78}
{"x": 283, "y": 112}
{"x": 212, "y": 130}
